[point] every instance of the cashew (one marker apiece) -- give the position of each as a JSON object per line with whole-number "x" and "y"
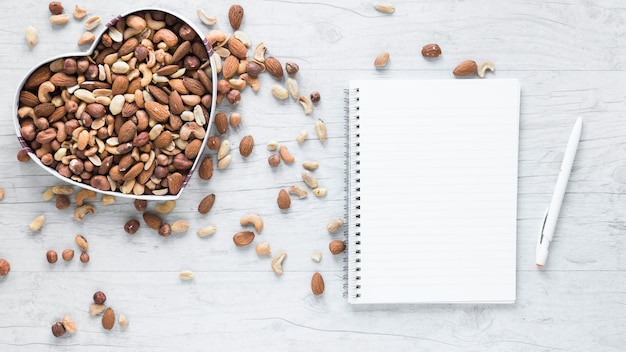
{"x": 284, "y": 153}
{"x": 277, "y": 263}
{"x": 263, "y": 248}
{"x": 81, "y": 211}
{"x": 298, "y": 191}
{"x": 252, "y": 219}
{"x": 259, "y": 52}
{"x": 166, "y": 207}
{"x": 37, "y": 223}
{"x": 146, "y": 74}
{"x": 487, "y": 65}
{"x": 84, "y": 194}
{"x": 206, "y": 19}
{"x": 43, "y": 93}
{"x": 306, "y": 103}
{"x": 154, "y": 24}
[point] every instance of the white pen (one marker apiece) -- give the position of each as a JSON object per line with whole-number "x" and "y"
{"x": 552, "y": 213}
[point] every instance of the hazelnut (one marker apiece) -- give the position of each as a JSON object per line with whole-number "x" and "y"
{"x": 131, "y": 226}
{"x": 213, "y": 143}
{"x": 165, "y": 230}
{"x": 292, "y": 68}
{"x": 62, "y": 202}
{"x": 5, "y": 267}
{"x": 99, "y": 297}
{"x": 52, "y": 256}
{"x": 55, "y": 7}
{"x": 84, "y": 257}
{"x": 22, "y": 156}
{"x": 315, "y": 97}
{"x": 67, "y": 255}
{"x": 58, "y": 329}
{"x": 141, "y": 204}
{"x": 274, "y": 160}
{"x": 253, "y": 69}
{"x": 234, "y": 96}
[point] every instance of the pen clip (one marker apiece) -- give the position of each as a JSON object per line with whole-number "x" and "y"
{"x": 543, "y": 225}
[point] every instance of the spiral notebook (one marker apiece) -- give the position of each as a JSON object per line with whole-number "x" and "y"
{"x": 432, "y": 190}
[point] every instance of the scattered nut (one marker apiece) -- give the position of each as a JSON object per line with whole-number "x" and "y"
{"x": 186, "y": 275}
{"x": 69, "y": 325}
{"x": 107, "y": 199}
{"x": 302, "y": 136}
{"x": 47, "y": 195}
{"x": 243, "y": 238}
{"x": 273, "y": 160}
{"x": 292, "y": 68}
{"x": 381, "y": 60}
{"x": 252, "y": 219}
{"x": 5, "y": 267}
{"x": 206, "y": 231}
{"x": 280, "y": 92}
{"x": 277, "y": 263}
{"x": 22, "y": 156}
{"x": 52, "y": 256}
{"x": 384, "y": 7}
{"x": 285, "y": 155}
{"x": 62, "y": 202}
{"x": 96, "y": 309}
{"x": 64, "y": 190}
{"x": 58, "y": 329}
{"x": 298, "y": 191}
{"x": 122, "y": 320}
{"x": 82, "y": 243}
{"x": 99, "y": 297}
{"x": 320, "y": 130}
{"x": 108, "y": 318}
{"x": 272, "y": 146}
{"x": 306, "y": 104}
{"x": 431, "y": 50}
{"x": 317, "y": 284}
{"x": 79, "y": 12}
{"x": 84, "y": 257}
{"x": 140, "y": 204}
{"x": 60, "y": 19}
{"x": 31, "y": 36}
{"x": 67, "y": 254}
{"x": 86, "y": 38}
{"x": 92, "y": 22}
{"x": 487, "y": 65}
{"x": 309, "y": 179}
{"x": 180, "y": 226}
{"x": 206, "y": 204}
{"x": 465, "y": 68}
{"x": 82, "y": 211}
{"x": 315, "y": 97}
{"x": 263, "y": 248}
{"x": 206, "y": 19}
{"x": 55, "y": 7}
{"x": 320, "y": 192}
{"x": 336, "y": 247}
{"x": 283, "y": 200}
{"x": 165, "y": 230}
{"x": 310, "y": 165}
{"x": 316, "y": 256}
{"x": 165, "y": 207}
{"x": 131, "y": 226}
{"x": 83, "y": 194}
{"x": 235, "y": 16}
{"x": 37, "y": 223}
{"x": 292, "y": 87}
{"x": 334, "y": 225}
{"x": 246, "y": 145}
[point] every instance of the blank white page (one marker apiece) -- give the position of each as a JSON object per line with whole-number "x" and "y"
{"x": 433, "y": 216}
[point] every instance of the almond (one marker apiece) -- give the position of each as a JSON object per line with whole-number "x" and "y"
{"x": 193, "y": 149}
{"x": 283, "y": 200}
{"x": 381, "y": 60}
{"x": 183, "y": 49}
{"x": 221, "y": 123}
{"x": 128, "y": 47}
{"x": 108, "y": 319}
{"x": 176, "y": 103}
{"x": 120, "y": 85}
{"x": 194, "y": 86}
{"x": 159, "y": 94}
{"x": 82, "y": 243}
{"x": 246, "y": 145}
{"x": 152, "y": 220}
{"x": 167, "y": 70}
{"x": 206, "y": 204}
{"x": 317, "y": 284}
{"x": 465, "y": 68}
{"x": 231, "y": 64}
{"x": 273, "y": 66}
{"x": 61, "y": 79}
{"x": 127, "y": 132}
{"x": 206, "y": 168}
{"x": 134, "y": 171}
{"x": 336, "y": 247}
{"x": 175, "y": 182}
{"x": 237, "y": 48}
{"x": 29, "y": 99}
{"x": 163, "y": 139}
{"x": 41, "y": 75}
{"x": 431, "y": 50}
{"x": 157, "y": 111}
{"x": 235, "y": 16}
{"x": 243, "y": 238}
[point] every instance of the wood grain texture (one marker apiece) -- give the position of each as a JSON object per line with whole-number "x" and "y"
{"x": 570, "y": 59}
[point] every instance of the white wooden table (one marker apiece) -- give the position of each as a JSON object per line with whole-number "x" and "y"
{"x": 570, "y": 58}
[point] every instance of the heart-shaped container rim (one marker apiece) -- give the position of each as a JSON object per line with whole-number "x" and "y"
{"x": 33, "y": 156}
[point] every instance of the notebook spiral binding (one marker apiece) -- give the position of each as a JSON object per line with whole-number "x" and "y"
{"x": 352, "y": 266}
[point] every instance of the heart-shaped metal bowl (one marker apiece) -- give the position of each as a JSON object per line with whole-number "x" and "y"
{"x": 71, "y": 111}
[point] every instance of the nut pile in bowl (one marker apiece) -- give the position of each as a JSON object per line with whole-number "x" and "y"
{"x": 129, "y": 118}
